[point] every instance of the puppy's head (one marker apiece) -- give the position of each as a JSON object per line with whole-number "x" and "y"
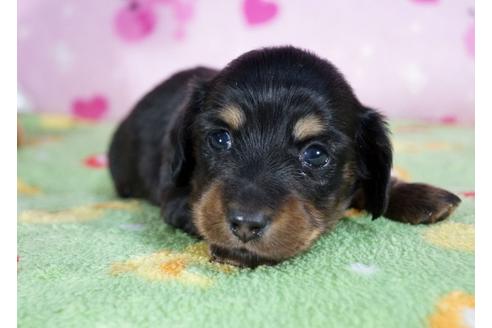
{"x": 273, "y": 148}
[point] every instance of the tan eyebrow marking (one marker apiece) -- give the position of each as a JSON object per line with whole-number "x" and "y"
{"x": 233, "y": 116}
{"x": 308, "y": 126}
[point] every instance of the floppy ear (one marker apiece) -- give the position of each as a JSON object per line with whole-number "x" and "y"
{"x": 374, "y": 161}
{"x": 179, "y": 161}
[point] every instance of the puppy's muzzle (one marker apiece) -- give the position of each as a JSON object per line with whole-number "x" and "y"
{"x": 247, "y": 226}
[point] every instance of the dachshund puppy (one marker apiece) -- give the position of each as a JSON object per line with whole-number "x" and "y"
{"x": 264, "y": 156}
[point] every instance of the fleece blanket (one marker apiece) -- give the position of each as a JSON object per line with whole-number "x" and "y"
{"x": 89, "y": 259}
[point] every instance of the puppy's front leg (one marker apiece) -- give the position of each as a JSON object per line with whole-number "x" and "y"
{"x": 176, "y": 211}
{"x": 419, "y": 203}
{"x": 415, "y": 203}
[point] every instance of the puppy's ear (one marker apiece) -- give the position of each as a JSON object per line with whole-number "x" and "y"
{"x": 374, "y": 161}
{"x": 181, "y": 161}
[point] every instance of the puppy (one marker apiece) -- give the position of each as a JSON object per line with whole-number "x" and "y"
{"x": 263, "y": 156}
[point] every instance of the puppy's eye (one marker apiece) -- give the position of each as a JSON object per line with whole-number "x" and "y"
{"x": 314, "y": 156}
{"x": 220, "y": 140}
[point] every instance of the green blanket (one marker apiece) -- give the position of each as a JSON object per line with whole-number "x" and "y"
{"x": 88, "y": 259}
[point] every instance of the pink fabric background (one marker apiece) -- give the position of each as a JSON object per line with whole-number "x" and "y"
{"x": 94, "y": 59}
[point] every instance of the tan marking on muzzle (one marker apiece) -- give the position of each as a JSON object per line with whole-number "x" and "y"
{"x": 209, "y": 214}
{"x": 294, "y": 228}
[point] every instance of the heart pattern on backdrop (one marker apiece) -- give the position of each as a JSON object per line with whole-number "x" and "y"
{"x": 259, "y": 11}
{"x": 135, "y": 21}
{"x": 90, "y": 109}
{"x": 96, "y": 161}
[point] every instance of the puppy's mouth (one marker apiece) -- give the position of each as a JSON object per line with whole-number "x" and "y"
{"x": 255, "y": 236}
{"x": 240, "y": 257}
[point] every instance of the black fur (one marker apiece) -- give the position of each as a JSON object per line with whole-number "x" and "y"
{"x": 149, "y": 156}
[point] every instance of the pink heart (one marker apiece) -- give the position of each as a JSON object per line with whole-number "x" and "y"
{"x": 259, "y": 11}
{"x": 449, "y": 120}
{"x": 135, "y": 21}
{"x": 96, "y": 161}
{"x": 91, "y": 109}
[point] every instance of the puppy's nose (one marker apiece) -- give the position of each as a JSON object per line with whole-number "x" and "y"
{"x": 247, "y": 226}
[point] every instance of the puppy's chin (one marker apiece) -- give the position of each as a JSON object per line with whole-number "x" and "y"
{"x": 240, "y": 257}
{"x": 271, "y": 249}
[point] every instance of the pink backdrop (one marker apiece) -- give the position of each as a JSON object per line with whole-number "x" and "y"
{"x": 93, "y": 58}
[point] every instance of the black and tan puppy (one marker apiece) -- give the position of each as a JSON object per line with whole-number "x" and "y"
{"x": 262, "y": 157}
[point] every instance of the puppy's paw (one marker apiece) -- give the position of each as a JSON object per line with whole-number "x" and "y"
{"x": 184, "y": 223}
{"x": 418, "y": 203}
{"x": 176, "y": 213}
